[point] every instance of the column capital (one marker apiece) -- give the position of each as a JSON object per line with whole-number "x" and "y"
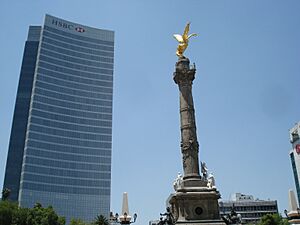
{"x": 184, "y": 73}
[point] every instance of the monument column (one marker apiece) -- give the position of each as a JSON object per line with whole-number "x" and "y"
{"x": 184, "y": 76}
{"x": 195, "y": 201}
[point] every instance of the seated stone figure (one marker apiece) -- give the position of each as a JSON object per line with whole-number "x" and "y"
{"x": 232, "y": 218}
{"x": 169, "y": 219}
{"x": 177, "y": 182}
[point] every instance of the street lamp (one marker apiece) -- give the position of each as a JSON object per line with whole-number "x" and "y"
{"x": 286, "y": 213}
{"x": 125, "y": 218}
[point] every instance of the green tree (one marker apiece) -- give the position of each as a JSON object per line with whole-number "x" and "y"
{"x": 5, "y": 194}
{"x": 273, "y": 219}
{"x": 35, "y": 215}
{"x": 101, "y": 220}
{"x": 77, "y": 222}
{"x": 11, "y": 214}
{"x": 21, "y": 216}
{"x": 61, "y": 220}
{"x": 44, "y": 216}
{"x": 7, "y": 212}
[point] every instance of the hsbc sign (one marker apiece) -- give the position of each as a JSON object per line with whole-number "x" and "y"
{"x": 67, "y": 26}
{"x": 298, "y": 149}
{"x": 79, "y": 29}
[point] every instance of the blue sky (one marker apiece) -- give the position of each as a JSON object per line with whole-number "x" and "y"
{"x": 246, "y": 91}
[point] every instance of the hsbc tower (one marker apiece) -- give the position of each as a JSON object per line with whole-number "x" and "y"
{"x": 61, "y": 138}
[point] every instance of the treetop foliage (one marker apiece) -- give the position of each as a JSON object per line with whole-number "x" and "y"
{"x": 12, "y": 214}
{"x": 273, "y": 219}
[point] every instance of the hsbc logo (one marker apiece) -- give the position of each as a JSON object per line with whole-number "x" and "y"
{"x": 67, "y": 26}
{"x": 79, "y": 29}
{"x": 298, "y": 149}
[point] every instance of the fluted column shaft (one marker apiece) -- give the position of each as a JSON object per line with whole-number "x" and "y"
{"x": 184, "y": 76}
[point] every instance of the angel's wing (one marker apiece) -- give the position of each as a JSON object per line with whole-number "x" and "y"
{"x": 178, "y": 37}
{"x": 186, "y": 29}
{"x": 191, "y": 35}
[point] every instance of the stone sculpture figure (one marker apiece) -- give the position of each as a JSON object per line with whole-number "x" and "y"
{"x": 183, "y": 40}
{"x": 169, "y": 219}
{"x": 161, "y": 222}
{"x": 204, "y": 170}
{"x": 211, "y": 181}
{"x": 178, "y": 181}
{"x": 232, "y": 218}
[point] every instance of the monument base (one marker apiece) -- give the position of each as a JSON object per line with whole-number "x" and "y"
{"x": 196, "y": 204}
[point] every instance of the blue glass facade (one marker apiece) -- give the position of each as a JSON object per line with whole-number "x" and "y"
{"x": 67, "y": 149}
{"x": 20, "y": 119}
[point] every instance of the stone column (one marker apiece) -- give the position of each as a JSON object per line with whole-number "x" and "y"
{"x": 194, "y": 201}
{"x": 184, "y": 76}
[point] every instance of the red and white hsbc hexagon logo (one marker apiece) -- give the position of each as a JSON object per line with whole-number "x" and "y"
{"x": 297, "y": 148}
{"x": 79, "y": 29}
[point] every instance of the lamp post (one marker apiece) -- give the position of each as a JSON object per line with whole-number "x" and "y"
{"x": 125, "y": 219}
{"x": 286, "y": 213}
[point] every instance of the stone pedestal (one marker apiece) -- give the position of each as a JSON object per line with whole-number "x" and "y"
{"x": 194, "y": 202}
{"x": 196, "y": 205}
{"x": 294, "y": 214}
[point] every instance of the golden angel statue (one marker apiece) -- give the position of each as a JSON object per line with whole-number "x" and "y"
{"x": 183, "y": 40}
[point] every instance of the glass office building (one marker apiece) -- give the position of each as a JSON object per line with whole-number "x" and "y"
{"x": 60, "y": 146}
{"x": 295, "y": 156}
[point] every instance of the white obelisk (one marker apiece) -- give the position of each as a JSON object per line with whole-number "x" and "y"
{"x": 293, "y": 214}
{"x": 125, "y": 217}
